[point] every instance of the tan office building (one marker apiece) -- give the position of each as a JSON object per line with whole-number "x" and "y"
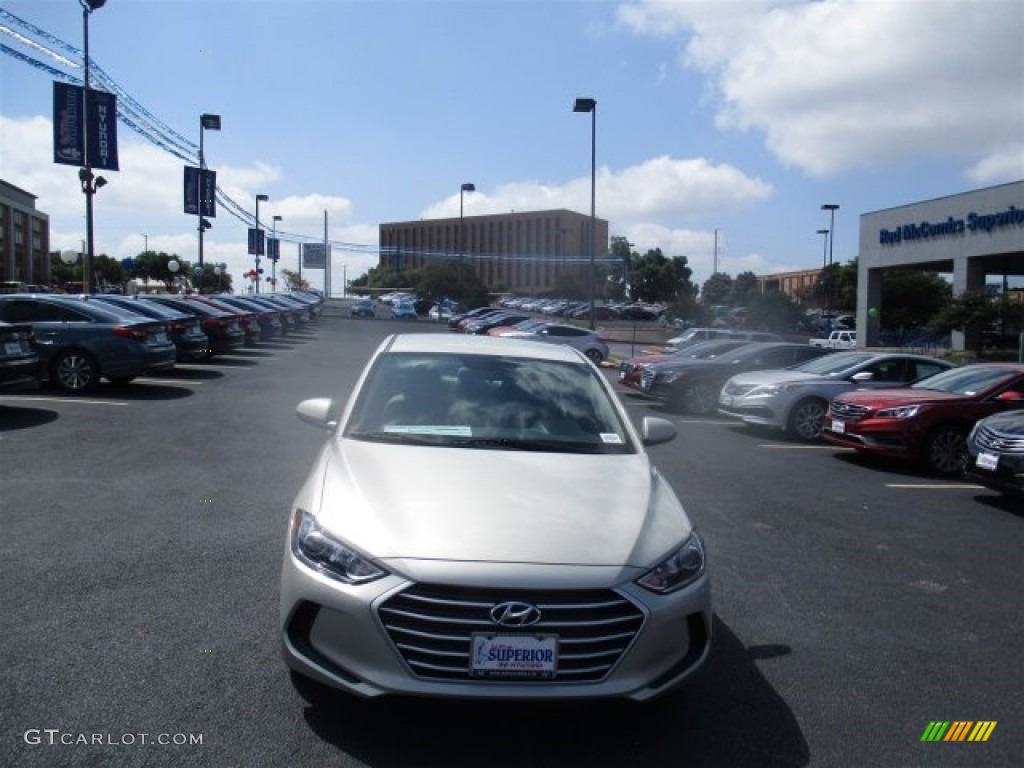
{"x": 24, "y": 238}
{"x": 512, "y": 252}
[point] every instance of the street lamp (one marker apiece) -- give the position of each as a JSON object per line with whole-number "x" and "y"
{"x": 259, "y": 199}
{"x": 824, "y": 255}
{"x": 831, "y": 208}
{"x": 590, "y": 105}
{"x": 207, "y": 122}
{"x": 273, "y": 260}
{"x": 89, "y": 183}
{"x": 467, "y": 187}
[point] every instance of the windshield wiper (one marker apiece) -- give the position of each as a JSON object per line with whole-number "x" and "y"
{"x": 523, "y": 444}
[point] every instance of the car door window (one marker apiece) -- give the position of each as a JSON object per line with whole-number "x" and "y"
{"x": 29, "y": 311}
{"x": 923, "y": 369}
{"x": 887, "y": 371}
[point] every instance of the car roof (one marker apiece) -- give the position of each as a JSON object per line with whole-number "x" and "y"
{"x": 480, "y": 345}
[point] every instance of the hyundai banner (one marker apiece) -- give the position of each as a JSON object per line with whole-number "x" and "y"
{"x": 200, "y": 191}
{"x": 100, "y": 135}
{"x": 68, "y": 139}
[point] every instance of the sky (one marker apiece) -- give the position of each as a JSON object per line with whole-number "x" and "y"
{"x": 728, "y": 122}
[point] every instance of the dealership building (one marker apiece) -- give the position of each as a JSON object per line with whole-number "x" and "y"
{"x": 974, "y": 236}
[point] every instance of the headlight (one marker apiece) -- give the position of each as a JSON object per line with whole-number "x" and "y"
{"x": 678, "y": 569}
{"x": 319, "y": 550}
{"x": 899, "y": 412}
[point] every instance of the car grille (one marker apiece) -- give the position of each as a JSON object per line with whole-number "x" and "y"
{"x": 432, "y": 627}
{"x": 647, "y": 378}
{"x": 990, "y": 440}
{"x": 848, "y": 411}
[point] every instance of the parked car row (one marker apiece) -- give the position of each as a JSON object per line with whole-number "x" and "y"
{"x": 76, "y": 340}
{"x": 495, "y": 321}
{"x": 950, "y": 419}
{"x": 580, "y": 310}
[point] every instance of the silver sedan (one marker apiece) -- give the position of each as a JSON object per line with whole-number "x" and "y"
{"x": 795, "y": 399}
{"x": 484, "y": 522}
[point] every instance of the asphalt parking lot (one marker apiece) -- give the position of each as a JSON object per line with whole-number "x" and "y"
{"x": 856, "y": 602}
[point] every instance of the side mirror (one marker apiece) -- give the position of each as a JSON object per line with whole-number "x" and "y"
{"x": 655, "y": 430}
{"x": 319, "y": 412}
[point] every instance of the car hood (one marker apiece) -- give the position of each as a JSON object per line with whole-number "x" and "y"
{"x": 1010, "y": 423}
{"x": 781, "y": 376}
{"x": 395, "y": 501}
{"x": 890, "y": 398}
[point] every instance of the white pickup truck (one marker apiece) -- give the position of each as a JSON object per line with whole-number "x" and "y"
{"x": 837, "y": 340}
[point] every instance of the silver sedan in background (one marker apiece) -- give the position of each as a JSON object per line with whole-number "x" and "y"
{"x": 484, "y": 522}
{"x": 795, "y": 399}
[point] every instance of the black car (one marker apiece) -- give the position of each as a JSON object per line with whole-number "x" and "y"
{"x": 693, "y": 385}
{"x": 995, "y": 453}
{"x": 19, "y": 363}
{"x": 79, "y": 342}
{"x": 222, "y": 328}
{"x": 190, "y": 340}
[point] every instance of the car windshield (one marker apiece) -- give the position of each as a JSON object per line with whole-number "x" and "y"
{"x": 489, "y": 402}
{"x": 834, "y": 364}
{"x": 968, "y": 380}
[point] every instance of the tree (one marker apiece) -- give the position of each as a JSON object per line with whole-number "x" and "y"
{"x": 293, "y": 280}
{"x": 744, "y": 288}
{"x": 970, "y": 313}
{"x": 910, "y": 299}
{"x": 655, "y": 278}
{"x": 773, "y": 311}
{"x": 450, "y": 280}
{"x": 717, "y": 289}
{"x": 151, "y": 265}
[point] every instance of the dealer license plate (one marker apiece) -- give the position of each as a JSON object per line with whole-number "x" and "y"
{"x": 838, "y": 426}
{"x": 522, "y": 656}
{"x": 987, "y": 461}
{"x": 12, "y": 347}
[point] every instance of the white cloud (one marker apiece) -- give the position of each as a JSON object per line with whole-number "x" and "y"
{"x": 849, "y": 83}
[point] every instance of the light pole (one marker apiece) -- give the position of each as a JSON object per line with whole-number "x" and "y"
{"x": 207, "y": 122}
{"x": 89, "y": 183}
{"x": 259, "y": 199}
{"x": 467, "y": 187}
{"x": 831, "y": 208}
{"x": 590, "y": 105}
{"x": 273, "y": 259}
{"x": 145, "y": 239}
{"x": 824, "y": 256}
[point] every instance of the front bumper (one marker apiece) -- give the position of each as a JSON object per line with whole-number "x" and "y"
{"x": 345, "y": 637}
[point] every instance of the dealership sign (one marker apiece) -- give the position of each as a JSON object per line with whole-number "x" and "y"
{"x": 973, "y": 223}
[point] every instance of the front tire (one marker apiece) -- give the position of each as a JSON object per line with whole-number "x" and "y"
{"x": 595, "y": 356}
{"x": 74, "y": 371}
{"x": 945, "y": 451}
{"x": 807, "y": 419}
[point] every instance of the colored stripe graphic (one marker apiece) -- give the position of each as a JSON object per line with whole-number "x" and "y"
{"x": 959, "y": 730}
{"x": 982, "y": 730}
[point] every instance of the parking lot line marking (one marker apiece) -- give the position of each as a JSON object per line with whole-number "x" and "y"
{"x": 60, "y": 400}
{"x": 935, "y": 486}
{"x": 787, "y": 446}
{"x": 148, "y": 380}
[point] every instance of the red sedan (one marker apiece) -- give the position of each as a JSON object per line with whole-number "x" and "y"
{"x": 929, "y": 420}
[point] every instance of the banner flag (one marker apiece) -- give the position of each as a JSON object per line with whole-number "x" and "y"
{"x": 68, "y": 140}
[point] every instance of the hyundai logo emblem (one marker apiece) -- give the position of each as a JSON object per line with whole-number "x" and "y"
{"x": 514, "y": 614}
